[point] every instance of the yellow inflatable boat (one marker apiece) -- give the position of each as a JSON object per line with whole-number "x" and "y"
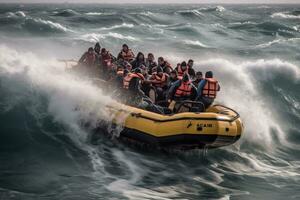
{"x": 216, "y": 127}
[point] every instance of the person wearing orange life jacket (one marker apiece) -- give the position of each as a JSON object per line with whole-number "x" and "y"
{"x": 182, "y": 69}
{"x": 106, "y": 63}
{"x": 165, "y": 65}
{"x": 207, "y": 89}
{"x": 132, "y": 87}
{"x": 182, "y": 90}
{"x": 126, "y": 54}
{"x": 159, "y": 81}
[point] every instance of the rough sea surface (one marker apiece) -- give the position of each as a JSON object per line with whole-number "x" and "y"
{"x": 46, "y": 154}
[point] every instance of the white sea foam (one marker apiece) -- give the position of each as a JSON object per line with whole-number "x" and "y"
{"x": 95, "y": 37}
{"x": 285, "y": 15}
{"x": 124, "y": 25}
{"x": 278, "y": 41}
{"x": 99, "y": 13}
{"x": 195, "y": 43}
{"x": 51, "y": 24}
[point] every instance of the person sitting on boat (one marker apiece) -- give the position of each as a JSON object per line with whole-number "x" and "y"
{"x": 198, "y": 78}
{"x": 88, "y": 59}
{"x": 159, "y": 81}
{"x": 207, "y": 89}
{"x": 126, "y": 54}
{"x": 182, "y": 90}
{"x": 182, "y": 69}
{"x": 191, "y": 71}
{"x": 132, "y": 87}
{"x": 172, "y": 78}
{"x": 106, "y": 63}
{"x": 165, "y": 65}
{"x": 150, "y": 62}
{"x": 138, "y": 61}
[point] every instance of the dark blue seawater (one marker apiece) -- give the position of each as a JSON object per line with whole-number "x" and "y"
{"x": 45, "y": 153}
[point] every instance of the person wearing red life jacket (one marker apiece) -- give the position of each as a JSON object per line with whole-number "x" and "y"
{"x": 106, "y": 64}
{"x": 207, "y": 89}
{"x": 126, "y": 54}
{"x": 182, "y": 69}
{"x": 182, "y": 90}
{"x": 165, "y": 65}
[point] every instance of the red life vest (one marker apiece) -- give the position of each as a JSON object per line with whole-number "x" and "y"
{"x": 90, "y": 59}
{"x": 210, "y": 88}
{"x": 185, "y": 89}
{"x": 127, "y": 56}
{"x": 128, "y": 78}
{"x": 181, "y": 72}
{"x": 160, "y": 81}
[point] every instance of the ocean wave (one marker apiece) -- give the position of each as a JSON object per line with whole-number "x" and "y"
{"x": 210, "y": 9}
{"x": 66, "y": 13}
{"x": 286, "y": 15}
{"x": 195, "y": 43}
{"x": 96, "y": 37}
{"x": 193, "y": 12}
{"x": 99, "y": 13}
{"x": 242, "y": 23}
{"x": 124, "y": 25}
{"x": 16, "y": 14}
{"x": 277, "y": 41}
{"x": 38, "y": 24}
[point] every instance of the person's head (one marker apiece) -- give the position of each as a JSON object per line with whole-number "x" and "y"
{"x": 140, "y": 56}
{"x": 125, "y": 47}
{"x": 150, "y": 57}
{"x": 186, "y": 78}
{"x": 209, "y": 74}
{"x": 104, "y": 51}
{"x": 90, "y": 50}
{"x": 119, "y": 68}
{"x": 199, "y": 75}
{"x": 154, "y": 69}
{"x": 97, "y": 47}
{"x": 161, "y": 60}
{"x": 183, "y": 65}
{"x": 190, "y": 63}
{"x": 159, "y": 71}
{"x": 173, "y": 74}
{"x": 138, "y": 70}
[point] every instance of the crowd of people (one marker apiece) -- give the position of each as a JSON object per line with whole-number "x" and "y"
{"x": 140, "y": 76}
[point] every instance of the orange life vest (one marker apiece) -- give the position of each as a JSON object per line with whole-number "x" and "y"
{"x": 128, "y": 78}
{"x": 127, "y": 56}
{"x": 185, "y": 89}
{"x": 161, "y": 81}
{"x": 181, "y": 72}
{"x": 210, "y": 88}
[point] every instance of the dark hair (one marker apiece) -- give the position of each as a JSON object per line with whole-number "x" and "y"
{"x": 161, "y": 58}
{"x": 185, "y": 78}
{"x": 91, "y": 49}
{"x": 103, "y": 50}
{"x": 138, "y": 55}
{"x": 150, "y": 54}
{"x": 97, "y": 45}
{"x": 174, "y": 72}
{"x": 209, "y": 74}
{"x": 183, "y": 63}
{"x": 125, "y": 45}
{"x": 137, "y": 70}
{"x": 190, "y": 60}
{"x": 199, "y": 73}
